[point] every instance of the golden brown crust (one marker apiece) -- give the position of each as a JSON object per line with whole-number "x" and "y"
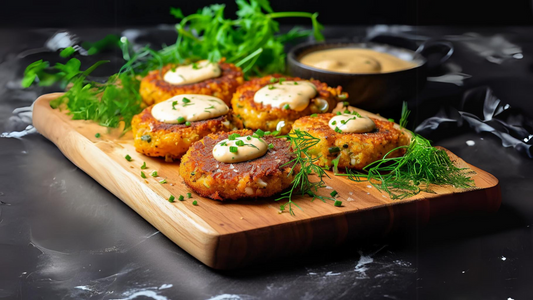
{"x": 261, "y": 177}
{"x": 173, "y": 140}
{"x": 356, "y": 149}
{"x": 154, "y": 89}
{"x": 265, "y": 117}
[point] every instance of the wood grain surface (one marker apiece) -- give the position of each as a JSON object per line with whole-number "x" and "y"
{"x": 227, "y": 235}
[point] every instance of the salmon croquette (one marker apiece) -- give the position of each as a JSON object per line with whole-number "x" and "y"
{"x": 356, "y": 150}
{"x": 266, "y": 116}
{"x": 154, "y": 88}
{"x": 159, "y": 139}
{"x": 261, "y": 177}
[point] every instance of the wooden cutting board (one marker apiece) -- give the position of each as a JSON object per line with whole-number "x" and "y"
{"x": 232, "y": 234}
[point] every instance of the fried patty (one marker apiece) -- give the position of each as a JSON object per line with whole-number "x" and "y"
{"x": 260, "y": 177}
{"x": 356, "y": 150}
{"x": 154, "y": 138}
{"x": 154, "y": 89}
{"x": 265, "y": 117}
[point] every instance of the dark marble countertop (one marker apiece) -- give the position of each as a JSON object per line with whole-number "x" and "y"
{"x": 63, "y": 236}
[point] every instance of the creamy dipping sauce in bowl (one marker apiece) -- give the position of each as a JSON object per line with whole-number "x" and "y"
{"x": 355, "y": 60}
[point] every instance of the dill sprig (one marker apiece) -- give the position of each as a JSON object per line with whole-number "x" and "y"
{"x": 111, "y": 103}
{"x": 408, "y": 175}
{"x": 303, "y": 166}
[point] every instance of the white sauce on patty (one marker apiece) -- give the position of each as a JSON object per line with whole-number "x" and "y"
{"x": 244, "y": 148}
{"x": 294, "y": 95}
{"x": 189, "y": 108}
{"x": 351, "y": 123}
{"x": 193, "y": 73}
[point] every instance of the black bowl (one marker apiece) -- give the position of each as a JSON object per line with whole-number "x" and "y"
{"x": 369, "y": 91}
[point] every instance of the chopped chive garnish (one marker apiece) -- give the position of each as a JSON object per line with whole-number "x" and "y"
{"x": 233, "y": 136}
{"x": 334, "y": 123}
{"x": 239, "y": 143}
{"x": 174, "y": 103}
{"x": 143, "y": 167}
{"x": 195, "y": 203}
{"x": 313, "y": 115}
{"x": 271, "y": 87}
{"x": 189, "y": 195}
{"x": 223, "y": 144}
{"x": 127, "y": 157}
{"x": 181, "y": 198}
{"x": 281, "y": 80}
{"x": 97, "y": 135}
{"x": 347, "y": 111}
{"x": 339, "y": 113}
{"x": 181, "y": 120}
{"x": 270, "y": 146}
{"x": 185, "y": 100}
{"x": 334, "y": 193}
{"x": 334, "y": 150}
{"x": 338, "y": 130}
{"x": 346, "y": 103}
{"x": 391, "y": 120}
{"x": 187, "y": 123}
{"x": 286, "y": 106}
{"x": 342, "y": 122}
{"x": 171, "y": 199}
{"x": 143, "y": 175}
{"x": 274, "y": 133}
{"x": 163, "y": 181}
{"x": 273, "y": 79}
{"x": 233, "y": 149}
{"x": 248, "y": 137}
{"x": 260, "y": 132}
{"x": 147, "y": 138}
{"x": 154, "y": 174}
{"x": 296, "y": 83}
{"x": 338, "y": 203}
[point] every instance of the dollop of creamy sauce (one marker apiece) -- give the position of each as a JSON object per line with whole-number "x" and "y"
{"x": 246, "y": 148}
{"x": 189, "y": 108}
{"x": 193, "y": 73}
{"x": 352, "y": 123}
{"x": 294, "y": 95}
{"x": 355, "y": 60}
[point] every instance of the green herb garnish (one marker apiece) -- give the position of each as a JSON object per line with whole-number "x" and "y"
{"x": 189, "y": 195}
{"x": 185, "y": 100}
{"x": 286, "y": 106}
{"x": 128, "y": 157}
{"x": 187, "y": 123}
{"x": 153, "y": 174}
{"x": 334, "y": 193}
{"x": 195, "y": 203}
{"x": 233, "y": 149}
{"x": 181, "y": 198}
{"x": 313, "y": 116}
{"x": 147, "y": 138}
{"x": 239, "y": 143}
{"x": 301, "y": 142}
{"x": 143, "y": 175}
{"x": 270, "y": 146}
{"x": 233, "y": 136}
{"x": 174, "y": 103}
{"x": 180, "y": 120}
{"x": 163, "y": 181}
{"x": 144, "y": 167}
{"x": 337, "y": 203}
{"x": 97, "y": 135}
{"x": 171, "y": 199}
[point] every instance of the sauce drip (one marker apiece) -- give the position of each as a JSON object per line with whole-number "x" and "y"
{"x": 351, "y": 123}
{"x": 294, "y": 95}
{"x": 189, "y": 107}
{"x": 247, "y": 148}
{"x": 193, "y": 73}
{"x": 355, "y": 60}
